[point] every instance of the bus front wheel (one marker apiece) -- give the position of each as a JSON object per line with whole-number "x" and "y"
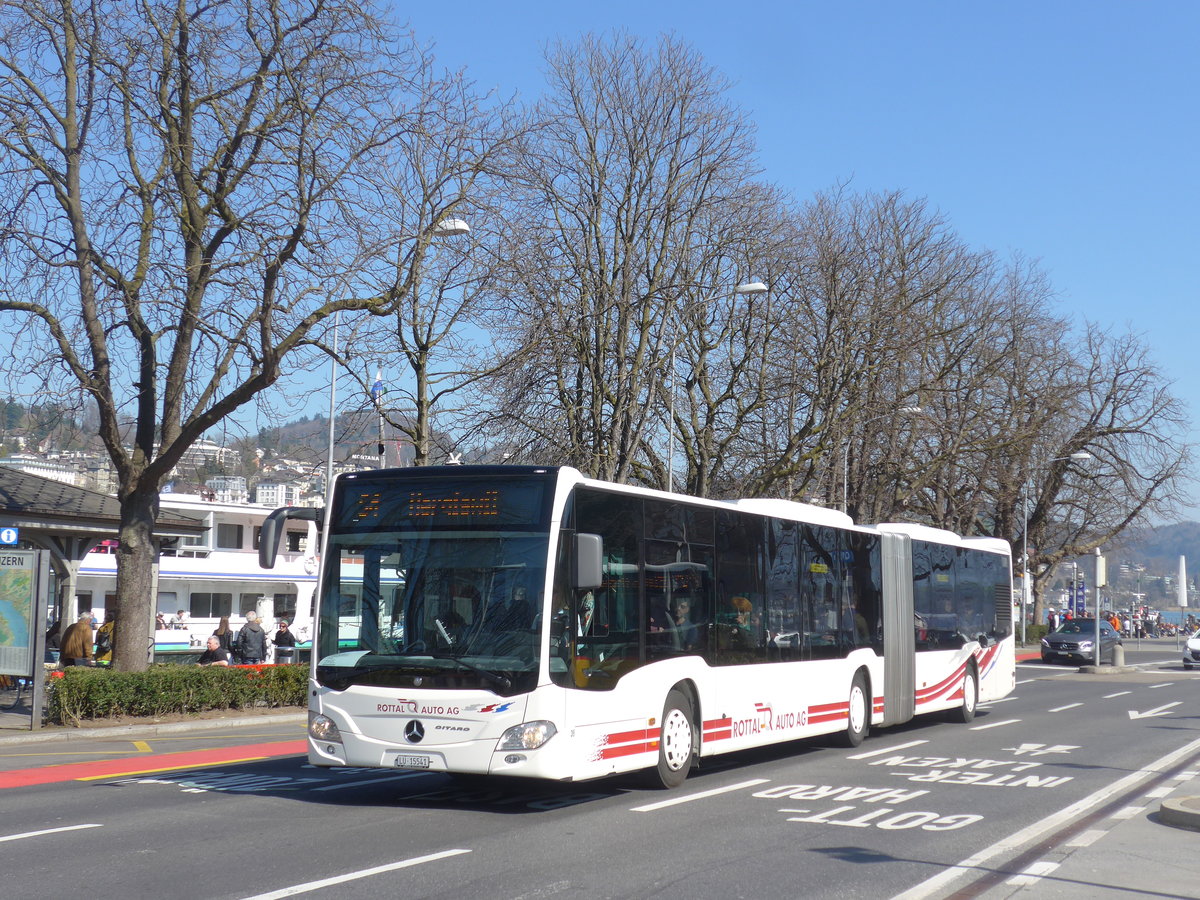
{"x": 859, "y": 723}
{"x": 675, "y": 742}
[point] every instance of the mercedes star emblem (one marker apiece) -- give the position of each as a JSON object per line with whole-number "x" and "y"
{"x": 414, "y": 731}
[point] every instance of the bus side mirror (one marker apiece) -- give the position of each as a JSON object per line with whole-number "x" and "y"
{"x": 274, "y": 526}
{"x": 589, "y": 562}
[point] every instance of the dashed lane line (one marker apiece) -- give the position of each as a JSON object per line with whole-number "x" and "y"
{"x": 887, "y": 750}
{"x": 29, "y": 834}
{"x": 702, "y": 795}
{"x": 354, "y": 876}
{"x": 994, "y": 724}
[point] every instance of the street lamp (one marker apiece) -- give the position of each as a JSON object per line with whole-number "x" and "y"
{"x": 905, "y": 410}
{"x": 747, "y": 287}
{"x": 442, "y": 228}
{"x": 1026, "y": 589}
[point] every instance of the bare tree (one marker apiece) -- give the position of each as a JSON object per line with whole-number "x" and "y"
{"x": 186, "y": 199}
{"x": 1124, "y": 414}
{"x": 636, "y": 149}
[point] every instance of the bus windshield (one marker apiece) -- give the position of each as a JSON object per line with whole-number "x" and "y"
{"x": 438, "y": 585}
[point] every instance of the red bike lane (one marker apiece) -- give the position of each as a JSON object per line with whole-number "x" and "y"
{"x": 144, "y": 765}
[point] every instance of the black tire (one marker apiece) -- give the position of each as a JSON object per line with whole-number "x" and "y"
{"x": 676, "y": 743}
{"x": 966, "y": 712}
{"x": 858, "y": 725}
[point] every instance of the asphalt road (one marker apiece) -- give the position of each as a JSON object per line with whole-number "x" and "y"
{"x": 894, "y": 818}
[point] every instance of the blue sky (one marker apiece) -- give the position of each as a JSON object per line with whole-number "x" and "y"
{"x": 1065, "y": 131}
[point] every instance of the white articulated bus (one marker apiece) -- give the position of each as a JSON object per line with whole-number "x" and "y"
{"x": 531, "y": 622}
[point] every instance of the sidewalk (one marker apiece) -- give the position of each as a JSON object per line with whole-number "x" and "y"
{"x": 1146, "y": 850}
{"x": 10, "y": 735}
{"x": 1142, "y": 851}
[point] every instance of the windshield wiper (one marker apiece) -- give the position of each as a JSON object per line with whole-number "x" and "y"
{"x": 493, "y": 677}
{"x": 341, "y": 677}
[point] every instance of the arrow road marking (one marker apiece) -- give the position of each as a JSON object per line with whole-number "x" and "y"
{"x": 1157, "y": 711}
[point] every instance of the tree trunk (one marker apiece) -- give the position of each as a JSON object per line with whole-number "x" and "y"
{"x": 133, "y": 636}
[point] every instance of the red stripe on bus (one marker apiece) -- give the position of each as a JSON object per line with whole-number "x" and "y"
{"x": 824, "y": 708}
{"x": 628, "y": 750}
{"x": 624, "y": 737}
{"x": 829, "y": 717}
{"x": 925, "y": 694}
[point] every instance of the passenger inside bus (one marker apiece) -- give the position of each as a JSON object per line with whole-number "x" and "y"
{"x": 660, "y": 627}
{"x": 685, "y": 628}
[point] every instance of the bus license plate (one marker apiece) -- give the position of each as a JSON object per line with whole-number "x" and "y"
{"x": 412, "y": 762}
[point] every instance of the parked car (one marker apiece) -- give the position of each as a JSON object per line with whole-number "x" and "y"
{"x": 1075, "y": 641}
{"x": 1191, "y": 651}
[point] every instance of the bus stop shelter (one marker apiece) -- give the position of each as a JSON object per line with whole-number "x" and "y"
{"x": 68, "y": 522}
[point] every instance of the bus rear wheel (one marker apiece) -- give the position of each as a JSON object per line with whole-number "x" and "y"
{"x": 966, "y": 712}
{"x": 859, "y": 724}
{"x": 675, "y": 743}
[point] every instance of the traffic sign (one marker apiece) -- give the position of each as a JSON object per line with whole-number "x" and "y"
{"x": 8, "y": 535}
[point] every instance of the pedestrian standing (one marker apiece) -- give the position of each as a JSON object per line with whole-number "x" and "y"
{"x": 251, "y": 641}
{"x": 76, "y": 646}
{"x": 285, "y": 644}
{"x": 105, "y": 637}
{"x": 224, "y": 635}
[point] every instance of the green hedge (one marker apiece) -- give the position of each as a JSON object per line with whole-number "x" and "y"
{"x": 1034, "y": 634}
{"x": 86, "y": 693}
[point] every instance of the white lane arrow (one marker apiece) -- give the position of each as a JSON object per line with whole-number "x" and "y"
{"x": 1157, "y": 711}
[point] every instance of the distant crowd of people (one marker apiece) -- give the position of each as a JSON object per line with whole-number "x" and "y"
{"x": 1140, "y": 624}
{"x": 87, "y": 642}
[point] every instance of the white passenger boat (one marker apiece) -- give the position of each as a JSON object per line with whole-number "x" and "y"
{"x": 217, "y": 575}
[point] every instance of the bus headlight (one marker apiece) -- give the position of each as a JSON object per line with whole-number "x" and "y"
{"x": 527, "y": 735}
{"x": 323, "y": 728}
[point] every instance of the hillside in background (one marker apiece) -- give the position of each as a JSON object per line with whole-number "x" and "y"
{"x": 1159, "y": 549}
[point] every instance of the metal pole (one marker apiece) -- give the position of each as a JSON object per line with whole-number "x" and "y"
{"x": 846, "y": 475}
{"x": 671, "y": 414}
{"x": 377, "y": 392}
{"x": 1096, "y": 583}
{"x": 1025, "y": 586}
{"x": 337, "y": 319}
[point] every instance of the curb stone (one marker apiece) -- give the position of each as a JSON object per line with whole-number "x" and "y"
{"x": 1182, "y": 812}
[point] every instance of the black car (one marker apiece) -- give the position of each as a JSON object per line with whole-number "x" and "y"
{"x": 1075, "y": 641}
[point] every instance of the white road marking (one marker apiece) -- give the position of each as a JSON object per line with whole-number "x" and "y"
{"x": 887, "y": 750}
{"x": 1128, "y": 813}
{"x": 994, "y": 725}
{"x": 1047, "y": 667}
{"x": 1164, "y": 684}
{"x": 1033, "y": 874}
{"x": 1117, "y": 694}
{"x": 1151, "y": 713}
{"x": 663, "y": 804}
{"x": 347, "y": 784}
{"x": 1087, "y": 838}
{"x": 1068, "y": 706}
{"x": 1032, "y": 832}
{"x": 354, "y": 876}
{"x": 994, "y": 702}
{"x": 29, "y": 834}
{"x": 1165, "y": 791}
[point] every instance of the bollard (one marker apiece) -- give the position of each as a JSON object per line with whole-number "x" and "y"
{"x": 1119, "y": 656}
